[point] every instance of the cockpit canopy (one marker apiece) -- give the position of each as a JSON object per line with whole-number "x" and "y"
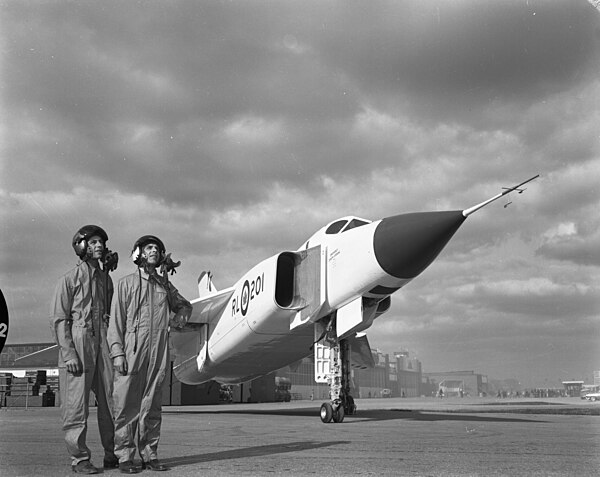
{"x": 342, "y": 225}
{"x": 336, "y": 227}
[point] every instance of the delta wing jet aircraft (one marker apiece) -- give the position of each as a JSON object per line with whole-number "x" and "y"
{"x": 320, "y": 298}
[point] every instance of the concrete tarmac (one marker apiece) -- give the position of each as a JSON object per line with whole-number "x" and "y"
{"x": 413, "y": 436}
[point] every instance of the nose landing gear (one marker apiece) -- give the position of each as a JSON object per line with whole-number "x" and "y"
{"x": 338, "y": 378}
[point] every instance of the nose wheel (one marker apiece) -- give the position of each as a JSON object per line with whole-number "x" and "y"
{"x": 338, "y": 414}
{"x": 330, "y": 413}
{"x": 326, "y": 412}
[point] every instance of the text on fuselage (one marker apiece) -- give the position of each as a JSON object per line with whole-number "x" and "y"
{"x": 250, "y": 290}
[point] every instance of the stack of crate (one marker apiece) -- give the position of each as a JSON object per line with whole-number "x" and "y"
{"x": 5, "y": 382}
{"x": 23, "y": 393}
{"x": 52, "y": 381}
{"x": 31, "y": 390}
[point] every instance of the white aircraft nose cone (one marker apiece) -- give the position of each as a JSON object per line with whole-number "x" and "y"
{"x": 406, "y": 244}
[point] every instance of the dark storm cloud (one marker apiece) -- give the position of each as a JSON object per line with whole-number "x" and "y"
{"x": 93, "y": 78}
{"x": 465, "y": 55}
{"x": 106, "y": 69}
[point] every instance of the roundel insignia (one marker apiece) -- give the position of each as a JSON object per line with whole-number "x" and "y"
{"x": 3, "y": 321}
{"x": 245, "y": 297}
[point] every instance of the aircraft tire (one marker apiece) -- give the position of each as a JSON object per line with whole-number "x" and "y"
{"x": 326, "y": 412}
{"x": 593, "y": 399}
{"x": 338, "y": 414}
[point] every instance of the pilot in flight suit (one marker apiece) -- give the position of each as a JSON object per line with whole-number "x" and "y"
{"x": 79, "y": 324}
{"x": 139, "y": 346}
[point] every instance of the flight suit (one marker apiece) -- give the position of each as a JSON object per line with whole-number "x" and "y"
{"x": 139, "y": 331}
{"x": 79, "y": 329}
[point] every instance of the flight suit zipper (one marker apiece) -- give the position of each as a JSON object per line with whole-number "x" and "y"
{"x": 151, "y": 309}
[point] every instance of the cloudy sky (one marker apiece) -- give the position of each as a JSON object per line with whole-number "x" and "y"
{"x": 234, "y": 130}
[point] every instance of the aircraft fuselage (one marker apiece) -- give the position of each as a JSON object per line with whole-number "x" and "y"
{"x": 268, "y": 321}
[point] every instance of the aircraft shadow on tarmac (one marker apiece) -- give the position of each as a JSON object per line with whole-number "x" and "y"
{"x": 370, "y": 415}
{"x": 256, "y": 451}
{"x": 409, "y": 414}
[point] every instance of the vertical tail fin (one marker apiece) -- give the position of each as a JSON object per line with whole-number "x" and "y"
{"x": 205, "y": 285}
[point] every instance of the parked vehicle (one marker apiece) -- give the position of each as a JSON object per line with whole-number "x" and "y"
{"x": 589, "y": 389}
{"x": 593, "y": 397}
{"x": 282, "y": 389}
{"x": 225, "y": 393}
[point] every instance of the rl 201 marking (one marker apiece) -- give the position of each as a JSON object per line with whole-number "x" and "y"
{"x": 250, "y": 290}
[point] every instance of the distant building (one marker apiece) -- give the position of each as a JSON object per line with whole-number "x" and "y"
{"x": 27, "y": 366}
{"x": 10, "y": 353}
{"x": 453, "y": 383}
{"x": 573, "y": 388}
{"x": 597, "y": 378}
{"x": 29, "y": 375}
{"x": 395, "y": 376}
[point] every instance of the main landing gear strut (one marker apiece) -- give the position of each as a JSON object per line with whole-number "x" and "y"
{"x": 338, "y": 378}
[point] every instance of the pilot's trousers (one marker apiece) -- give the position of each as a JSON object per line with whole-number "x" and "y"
{"x": 137, "y": 408}
{"x": 137, "y": 396}
{"x": 75, "y": 395}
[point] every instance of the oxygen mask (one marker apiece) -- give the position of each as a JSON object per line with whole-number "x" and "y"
{"x": 110, "y": 260}
{"x": 168, "y": 265}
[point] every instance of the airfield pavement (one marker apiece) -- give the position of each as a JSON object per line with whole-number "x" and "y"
{"x": 411, "y": 436}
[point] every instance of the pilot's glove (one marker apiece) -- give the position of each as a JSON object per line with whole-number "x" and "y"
{"x": 180, "y": 319}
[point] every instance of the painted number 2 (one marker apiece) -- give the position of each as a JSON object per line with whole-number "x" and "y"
{"x": 3, "y": 321}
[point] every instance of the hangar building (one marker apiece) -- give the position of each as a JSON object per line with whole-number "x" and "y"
{"x": 454, "y": 382}
{"x": 26, "y": 371}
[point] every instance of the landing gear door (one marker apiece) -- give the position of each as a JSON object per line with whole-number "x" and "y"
{"x": 309, "y": 280}
{"x": 322, "y": 363}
